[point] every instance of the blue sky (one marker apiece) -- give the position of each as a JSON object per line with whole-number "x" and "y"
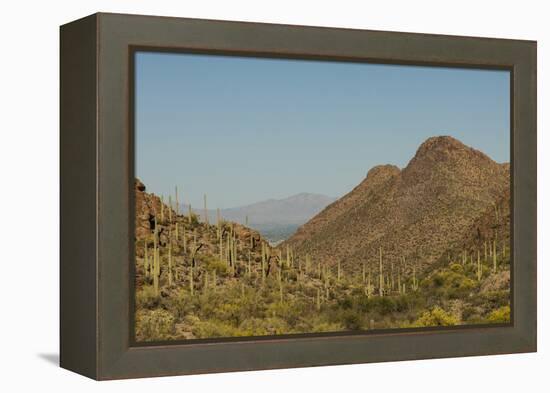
{"x": 243, "y": 130}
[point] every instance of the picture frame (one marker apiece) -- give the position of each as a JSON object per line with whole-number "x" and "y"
{"x": 97, "y": 182}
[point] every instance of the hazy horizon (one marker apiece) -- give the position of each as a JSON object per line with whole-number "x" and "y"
{"x": 245, "y": 130}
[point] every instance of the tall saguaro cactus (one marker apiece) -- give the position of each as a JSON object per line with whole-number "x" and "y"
{"x": 399, "y": 279}
{"x": 263, "y": 262}
{"x": 220, "y": 246}
{"x": 177, "y": 203}
{"x": 381, "y": 275}
{"x": 218, "y": 223}
{"x": 205, "y": 211}
{"x": 170, "y": 209}
{"x": 414, "y": 280}
{"x": 170, "y": 262}
{"x": 145, "y": 259}
{"x": 479, "y": 267}
{"x": 249, "y": 267}
{"x": 184, "y": 236}
{"x": 156, "y": 262}
{"x": 494, "y": 256}
{"x": 318, "y": 300}
{"x": 191, "y": 286}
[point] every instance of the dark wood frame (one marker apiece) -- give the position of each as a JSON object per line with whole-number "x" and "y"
{"x": 97, "y": 195}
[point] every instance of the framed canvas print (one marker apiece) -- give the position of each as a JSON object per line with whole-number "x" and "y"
{"x": 241, "y": 196}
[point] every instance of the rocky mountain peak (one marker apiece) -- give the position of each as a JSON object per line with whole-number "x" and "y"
{"x": 381, "y": 173}
{"x": 442, "y": 149}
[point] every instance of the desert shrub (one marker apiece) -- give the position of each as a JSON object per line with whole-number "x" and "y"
{"x": 389, "y": 304}
{"x": 435, "y": 317}
{"x": 146, "y": 298}
{"x": 500, "y": 315}
{"x": 497, "y": 298}
{"x": 213, "y": 328}
{"x": 379, "y": 304}
{"x": 154, "y": 325}
{"x": 352, "y": 320}
{"x": 181, "y": 303}
{"x": 448, "y": 284}
{"x": 194, "y": 221}
{"x": 280, "y": 309}
{"x": 324, "y": 327}
{"x": 457, "y": 268}
{"x": 491, "y": 300}
{"x": 346, "y": 303}
{"x": 211, "y": 264}
{"x": 260, "y": 327}
{"x": 469, "y": 313}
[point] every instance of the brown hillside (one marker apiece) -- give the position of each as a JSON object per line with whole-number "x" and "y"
{"x": 192, "y": 234}
{"x": 493, "y": 225}
{"x": 416, "y": 213}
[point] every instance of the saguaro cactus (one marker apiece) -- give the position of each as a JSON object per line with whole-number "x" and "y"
{"x": 249, "y": 269}
{"x": 156, "y": 273}
{"x": 156, "y": 263}
{"x": 479, "y": 267}
{"x": 370, "y": 287}
{"x": 191, "y": 286}
{"x": 184, "y": 240}
{"x": 494, "y": 256}
{"x": 318, "y": 300}
{"x": 287, "y": 256}
{"x": 399, "y": 279}
{"x": 414, "y": 280}
{"x": 263, "y": 262}
{"x": 205, "y": 211}
{"x": 218, "y": 222}
{"x": 381, "y": 275}
{"x": 170, "y": 262}
{"x": 145, "y": 259}
{"x": 177, "y": 203}
{"x": 392, "y": 282}
{"x": 220, "y": 246}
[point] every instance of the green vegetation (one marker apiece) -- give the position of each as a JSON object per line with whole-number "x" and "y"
{"x": 201, "y": 280}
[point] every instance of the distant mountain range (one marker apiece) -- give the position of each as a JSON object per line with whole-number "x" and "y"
{"x": 275, "y": 219}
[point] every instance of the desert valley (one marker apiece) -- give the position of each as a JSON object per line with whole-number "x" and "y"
{"x": 426, "y": 245}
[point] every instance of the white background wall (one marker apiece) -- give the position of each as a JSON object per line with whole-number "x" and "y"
{"x": 29, "y": 194}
